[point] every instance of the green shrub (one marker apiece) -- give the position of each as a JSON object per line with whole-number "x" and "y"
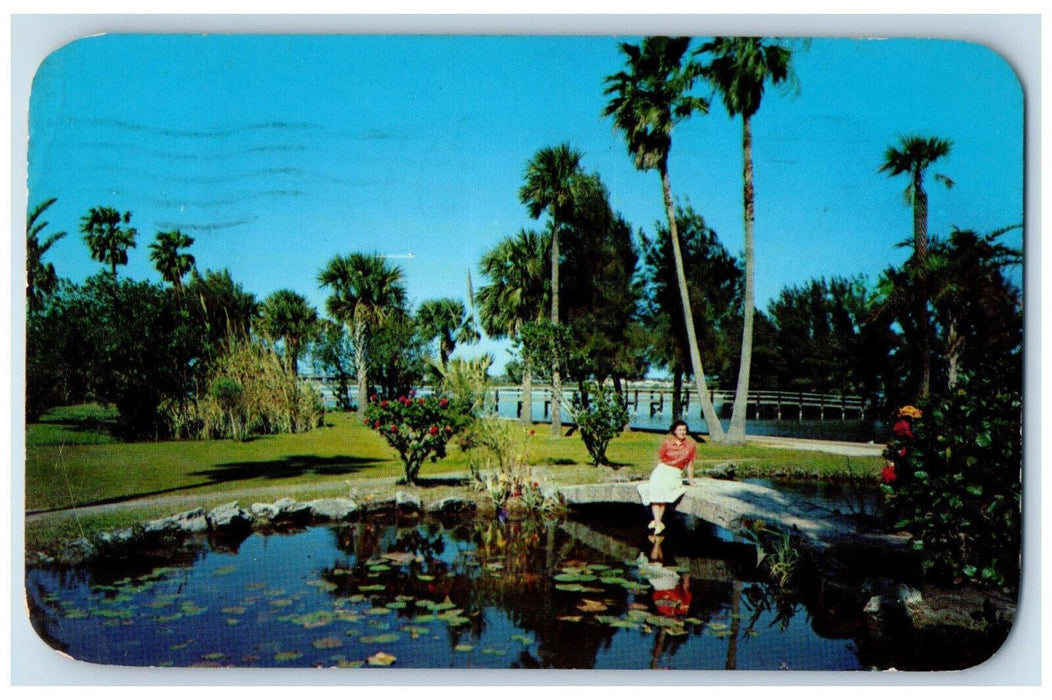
{"x": 953, "y": 481}
{"x": 599, "y": 420}
{"x": 417, "y": 427}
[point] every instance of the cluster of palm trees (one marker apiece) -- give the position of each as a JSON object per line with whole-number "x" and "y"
{"x": 663, "y": 83}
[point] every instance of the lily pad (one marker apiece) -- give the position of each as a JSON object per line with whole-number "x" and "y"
{"x": 327, "y": 643}
{"x": 372, "y": 587}
{"x": 463, "y": 647}
{"x": 225, "y": 570}
{"x": 287, "y": 655}
{"x": 386, "y": 638}
{"x": 381, "y": 658}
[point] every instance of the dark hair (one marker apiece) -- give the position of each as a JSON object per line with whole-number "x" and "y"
{"x": 676, "y": 424}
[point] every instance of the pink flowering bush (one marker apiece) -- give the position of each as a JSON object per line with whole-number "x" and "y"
{"x": 417, "y": 427}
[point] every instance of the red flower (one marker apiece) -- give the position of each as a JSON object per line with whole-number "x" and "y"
{"x": 420, "y": 401}
{"x": 433, "y": 430}
{"x": 376, "y": 423}
{"x": 902, "y": 428}
{"x": 394, "y": 428}
{"x": 532, "y": 431}
{"x": 888, "y": 475}
{"x": 373, "y": 398}
{"x": 443, "y": 403}
{"x": 902, "y": 452}
{"x": 383, "y": 404}
{"x": 365, "y": 422}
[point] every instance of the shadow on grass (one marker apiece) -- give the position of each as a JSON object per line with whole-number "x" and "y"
{"x": 287, "y": 467}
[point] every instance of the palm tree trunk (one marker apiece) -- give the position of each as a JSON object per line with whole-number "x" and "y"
{"x": 712, "y": 421}
{"x": 920, "y": 253}
{"x": 557, "y": 420}
{"x": 677, "y": 394}
{"x": 361, "y": 365}
{"x": 736, "y": 431}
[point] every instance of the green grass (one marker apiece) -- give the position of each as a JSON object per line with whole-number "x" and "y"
{"x": 71, "y": 461}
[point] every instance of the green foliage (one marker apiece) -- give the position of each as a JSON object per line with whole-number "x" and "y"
{"x": 499, "y": 460}
{"x": 417, "y": 427}
{"x": 775, "y": 552}
{"x": 953, "y": 482}
{"x": 466, "y": 381}
{"x": 600, "y": 416}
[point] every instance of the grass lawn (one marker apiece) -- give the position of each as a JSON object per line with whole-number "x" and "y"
{"x": 71, "y": 461}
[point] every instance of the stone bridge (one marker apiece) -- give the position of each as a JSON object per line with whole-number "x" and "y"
{"x": 729, "y": 504}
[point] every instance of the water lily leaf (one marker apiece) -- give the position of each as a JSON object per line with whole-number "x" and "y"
{"x": 425, "y": 577}
{"x": 224, "y": 570}
{"x": 76, "y": 614}
{"x": 492, "y": 651}
{"x": 402, "y": 557}
{"x": 587, "y": 605}
{"x": 571, "y": 587}
{"x": 380, "y": 567}
{"x": 570, "y": 618}
{"x": 716, "y": 626}
{"x": 425, "y": 618}
{"x": 454, "y": 620}
{"x": 381, "y": 658}
{"x": 386, "y": 638}
{"x": 342, "y": 572}
{"x": 287, "y": 655}
{"x": 327, "y": 643}
{"x": 661, "y": 621}
{"x": 373, "y": 587}
{"x": 357, "y": 663}
{"x": 625, "y": 624}
{"x": 213, "y": 656}
{"x": 415, "y": 630}
{"x": 525, "y": 640}
{"x": 234, "y": 610}
{"x": 323, "y": 585}
{"x": 463, "y": 647}
{"x": 377, "y": 611}
{"x": 677, "y": 631}
{"x": 395, "y": 605}
{"x": 281, "y": 602}
{"x": 231, "y": 621}
{"x": 693, "y": 620}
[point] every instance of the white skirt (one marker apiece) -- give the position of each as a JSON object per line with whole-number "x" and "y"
{"x": 665, "y": 485}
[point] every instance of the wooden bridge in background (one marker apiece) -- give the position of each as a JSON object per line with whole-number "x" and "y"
{"x": 762, "y": 405}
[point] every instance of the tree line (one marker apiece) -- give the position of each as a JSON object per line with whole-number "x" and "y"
{"x": 588, "y": 298}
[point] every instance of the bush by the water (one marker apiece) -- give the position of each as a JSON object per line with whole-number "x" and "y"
{"x": 953, "y": 481}
{"x": 417, "y": 427}
{"x": 599, "y": 420}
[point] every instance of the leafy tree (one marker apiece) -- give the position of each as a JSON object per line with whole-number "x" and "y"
{"x": 515, "y": 294}
{"x": 599, "y": 420}
{"x": 913, "y": 156}
{"x": 448, "y": 321}
{"x": 167, "y": 256}
{"x": 287, "y": 316}
{"x": 820, "y": 335}
{"x": 222, "y": 308}
{"x": 397, "y": 359}
{"x": 333, "y": 354}
{"x": 41, "y": 279}
{"x": 553, "y": 180}
{"x": 109, "y": 236}
{"x": 600, "y": 294}
{"x": 714, "y": 290}
{"x": 647, "y": 101}
{"x": 739, "y": 69}
{"x": 365, "y": 291}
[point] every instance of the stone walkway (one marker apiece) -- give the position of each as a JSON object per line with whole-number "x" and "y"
{"x": 730, "y": 503}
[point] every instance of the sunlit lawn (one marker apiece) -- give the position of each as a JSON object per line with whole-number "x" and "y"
{"x": 71, "y": 460}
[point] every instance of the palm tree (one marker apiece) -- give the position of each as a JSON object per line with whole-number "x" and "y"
{"x": 552, "y": 179}
{"x": 739, "y": 69}
{"x": 41, "y": 279}
{"x": 515, "y": 295}
{"x": 108, "y": 236}
{"x": 165, "y": 252}
{"x": 287, "y": 316}
{"x": 365, "y": 292}
{"x": 914, "y": 155}
{"x": 647, "y": 101}
{"x": 447, "y": 320}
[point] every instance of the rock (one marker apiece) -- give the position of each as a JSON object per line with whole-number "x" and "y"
{"x": 189, "y": 521}
{"x": 265, "y": 511}
{"x": 291, "y": 512}
{"x": 228, "y": 517}
{"x": 452, "y": 505}
{"x": 408, "y": 502}
{"x": 333, "y": 508}
{"x": 723, "y": 470}
{"x": 379, "y": 504}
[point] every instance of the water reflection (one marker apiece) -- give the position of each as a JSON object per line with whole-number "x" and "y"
{"x": 591, "y": 592}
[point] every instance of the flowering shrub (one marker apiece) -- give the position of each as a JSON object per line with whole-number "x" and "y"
{"x": 501, "y": 468}
{"x": 417, "y": 427}
{"x": 952, "y": 480}
{"x": 600, "y": 421}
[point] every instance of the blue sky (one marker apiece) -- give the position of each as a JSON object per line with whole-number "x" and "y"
{"x": 277, "y": 153}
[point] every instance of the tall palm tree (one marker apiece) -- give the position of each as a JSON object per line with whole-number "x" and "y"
{"x": 365, "y": 292}
{"x": 552, "y": 179}
{"x": 647, "y": 101}
{"x": 288, "y": 316}
{"x": 168, "y": 258}
{"x": 41, "y": 279}
{"x": 739, "y": 69}
{"x": 109, "y": 236}
{"x": 913, "y": 156}
{"x": 448, "y": 320}
{"x": 516, "y": 294}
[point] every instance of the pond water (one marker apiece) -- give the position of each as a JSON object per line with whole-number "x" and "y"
{"x": 591, "y": 592}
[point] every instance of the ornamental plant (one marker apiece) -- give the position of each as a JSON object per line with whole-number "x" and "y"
{"x": 953, "y": 481}
{"x": 600, "y": 420}
{"x": 418, "y": 427}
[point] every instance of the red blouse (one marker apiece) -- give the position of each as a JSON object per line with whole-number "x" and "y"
{"x": 677, "y": 453}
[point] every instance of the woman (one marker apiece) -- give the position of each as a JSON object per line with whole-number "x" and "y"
{"x": 677, "y": 453}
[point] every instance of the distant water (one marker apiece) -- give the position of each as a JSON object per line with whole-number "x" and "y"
{"x": 851, "y": 430}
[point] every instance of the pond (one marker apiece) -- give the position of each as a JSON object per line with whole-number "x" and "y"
{"x": 589, "y": 593}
